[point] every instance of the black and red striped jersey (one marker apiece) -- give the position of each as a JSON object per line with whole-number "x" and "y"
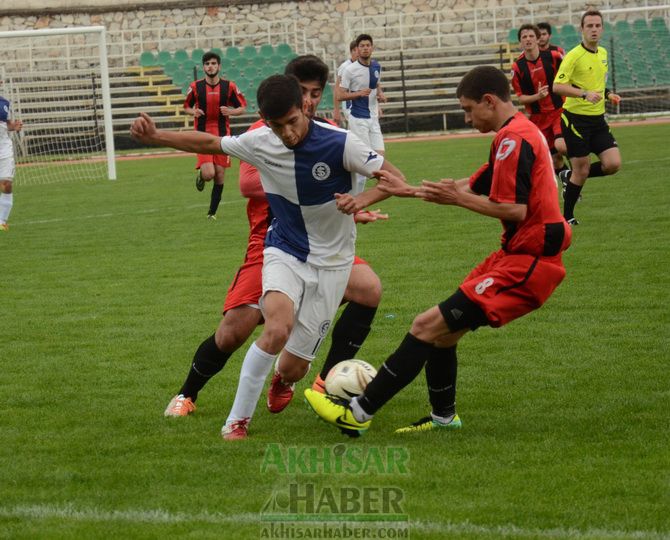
{"x": 528, "y": 75}
{"x": 520, "y": 171}
{"x": 210, "y": 98}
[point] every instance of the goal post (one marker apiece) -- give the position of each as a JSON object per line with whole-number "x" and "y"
{"x": 59, "y": 86}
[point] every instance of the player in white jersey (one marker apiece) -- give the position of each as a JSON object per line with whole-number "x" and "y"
{"x": 307, "y": 170}
{"x": 6, "y": 162}
{"x": 341, "y": 109}
{"x": 361, "y": 84}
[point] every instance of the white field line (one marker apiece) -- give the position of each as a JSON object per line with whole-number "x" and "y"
{"x": 118, "y": 215}
{"x": 157, "y": 516}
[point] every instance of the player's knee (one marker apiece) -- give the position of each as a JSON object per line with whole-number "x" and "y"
{"x": 274, "y": 336}
{"x": 611, "y": 167}
{"x": 421, "y": 327}
{"x": 5, "y": 186}
{"x": 294, "y": 371}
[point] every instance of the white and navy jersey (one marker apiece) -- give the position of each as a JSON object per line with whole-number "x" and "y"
{"x": 300, "y": 184}
{"x": 346, "y": 105}
{"x": 6, "y": 148}
{"x": 358, "y": 77}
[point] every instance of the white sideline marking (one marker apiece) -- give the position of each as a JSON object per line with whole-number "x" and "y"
{"x": 70, "y": 512}
{"x": 112, "y": 215}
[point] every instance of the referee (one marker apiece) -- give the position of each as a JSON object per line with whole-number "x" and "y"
{"x": 582, "y": 79}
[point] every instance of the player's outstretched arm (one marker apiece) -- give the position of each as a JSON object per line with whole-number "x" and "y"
{"x": 394, "y": 184}
{"x": 144, "y": 130}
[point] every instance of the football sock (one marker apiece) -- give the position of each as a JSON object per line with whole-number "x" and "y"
{"x": 596, "y": 169}
{"x": 570, "y": 198}
{"x": 349, "y": 333}
{"x": 400, "y": 369}
{"x": 563, "y": 168}
{"x": 217, "y": 190}
{"x": 6, "y": 202}
{"x": 441, "y": 369}
{"x": 255, "y": 368}
{"x": 207, "y": 362}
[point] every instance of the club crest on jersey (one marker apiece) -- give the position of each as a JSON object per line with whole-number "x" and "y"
{"x": 377, "y": 73}
{"x": 506, "y": 147}
{"x": 323, "y": 328}
{"x": 321, "y": 171}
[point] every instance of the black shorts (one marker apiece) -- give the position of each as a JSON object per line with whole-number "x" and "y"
{"x": 460, "y": 312}
{"x": 585, "y": 134}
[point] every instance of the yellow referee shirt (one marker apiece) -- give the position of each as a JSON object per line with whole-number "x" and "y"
{"x": 587, "y": 70}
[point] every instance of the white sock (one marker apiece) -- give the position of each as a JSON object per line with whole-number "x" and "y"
{"x": 6, "y": 202}
{"x": 255, "y": 368}
{"x": 358, "y": 412}
{"x": 442, "y": 419}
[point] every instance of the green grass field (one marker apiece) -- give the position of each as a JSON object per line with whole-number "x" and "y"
{"x": 108, "y": 288}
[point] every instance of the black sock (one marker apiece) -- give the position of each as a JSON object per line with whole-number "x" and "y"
{"x": 596, "y": 169}
{"x": 349, "y": 333}
{"x": 570, "y": 198}
{"x": 441, "y": 370}
{"x": 207, "y": 362}
{"x": 217, "y": 190}
{"x": 400, "y": 369}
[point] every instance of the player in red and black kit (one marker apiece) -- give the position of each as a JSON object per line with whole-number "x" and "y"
{"x": 211, "y": 101}
{"x": 532, "y": 78}
{"x": 517, "y": 187}
{"x": 545, "y": 38}
{"x": 241, "y": 308}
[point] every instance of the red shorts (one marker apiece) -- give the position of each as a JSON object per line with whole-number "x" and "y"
{"x": 549, "y": 124}
{"x": 507, "y": 286}
{"x": 222, "y": 160}
{"x": 247, "y": 287}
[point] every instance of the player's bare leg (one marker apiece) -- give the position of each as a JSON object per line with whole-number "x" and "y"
{"x": 6, "y": 203}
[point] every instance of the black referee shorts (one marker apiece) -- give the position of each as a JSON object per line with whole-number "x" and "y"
{"x": 586, "y": 134}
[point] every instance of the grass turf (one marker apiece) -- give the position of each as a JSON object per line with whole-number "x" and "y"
{"x": 109, "y": 287}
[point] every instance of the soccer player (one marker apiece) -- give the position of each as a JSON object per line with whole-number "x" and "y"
{"x": 582, "y": 79}
{"x": 211, "y": 101}
{"x": 360, "y": 84}
{"x": 341, "y": 109}
{"x": 545, "y": 38}
{"x": 532, "y": 77}
{"x": 241, "y": 308}
{"x": 6, "y": 162}
{"x": 516, "y": 186}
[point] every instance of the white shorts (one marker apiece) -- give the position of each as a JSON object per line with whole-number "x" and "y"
{"x": 7, "y": 168}
{"x": 316, "y": 294}
{"x": 368, "y": 131}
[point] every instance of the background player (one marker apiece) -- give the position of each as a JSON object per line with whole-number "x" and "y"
{"x": 582, "y": 79}
{"x": 360, "y": 83}
{"x": 7, "y": 166}
{"x": 211, "y": 101}
{"x": 532, "y": 78}
{"x": 241, "y": 310}
{"x": 544, "y": 41}
{"x": 516, "y": 186}
{"x": 341, "y": 109}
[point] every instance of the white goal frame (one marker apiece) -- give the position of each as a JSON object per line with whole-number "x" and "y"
{"x": 100, "y": 31}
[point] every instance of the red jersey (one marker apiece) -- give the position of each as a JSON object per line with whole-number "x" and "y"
{"x": 210, "y": 98}
{"x": 551, "y": 47}
{"x": 528, "y": 75}
{"x": 520, "y": 171}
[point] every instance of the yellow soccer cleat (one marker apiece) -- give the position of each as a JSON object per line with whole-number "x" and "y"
{"x": 335, "y": 411}
{"x": 428, "y": 424}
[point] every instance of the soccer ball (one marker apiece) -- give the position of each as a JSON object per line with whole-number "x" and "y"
{"x": 349, "y": 378}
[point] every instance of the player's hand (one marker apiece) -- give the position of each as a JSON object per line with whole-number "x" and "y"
{"x": 593, "y": 97}
{"x": 15, "y": 125}
{"x": 364, "y": 92}
{"x": 368, "y": 216}
{"x": 445, "y": 191}
{"x": 197, "y": 113}
{"x": 381, "y": 97}
{"x": 347, "y": 203}
{"x": 393, "y": 185}
{"x": 543, "y": 90}
{"x": 614, "y": 98}
{"x": 143, "y": 128}
{"x": 227, "y": 111}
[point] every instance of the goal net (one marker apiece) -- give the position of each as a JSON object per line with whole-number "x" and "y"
{"x": 58, "y": 84}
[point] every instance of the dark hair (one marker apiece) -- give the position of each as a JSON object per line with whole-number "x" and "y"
{"x": 277, "y": 95}
{"x": 544, "y": 26}
{"x": 364, "y": 37}
{"x": 528, "y": 26}
{"x": 483, "y": 80}
{"x": 209, "y": 56}
{"x": 590, "y": 12}
{"x": 308, "y": 68}
{"x": 352, "y": 45}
